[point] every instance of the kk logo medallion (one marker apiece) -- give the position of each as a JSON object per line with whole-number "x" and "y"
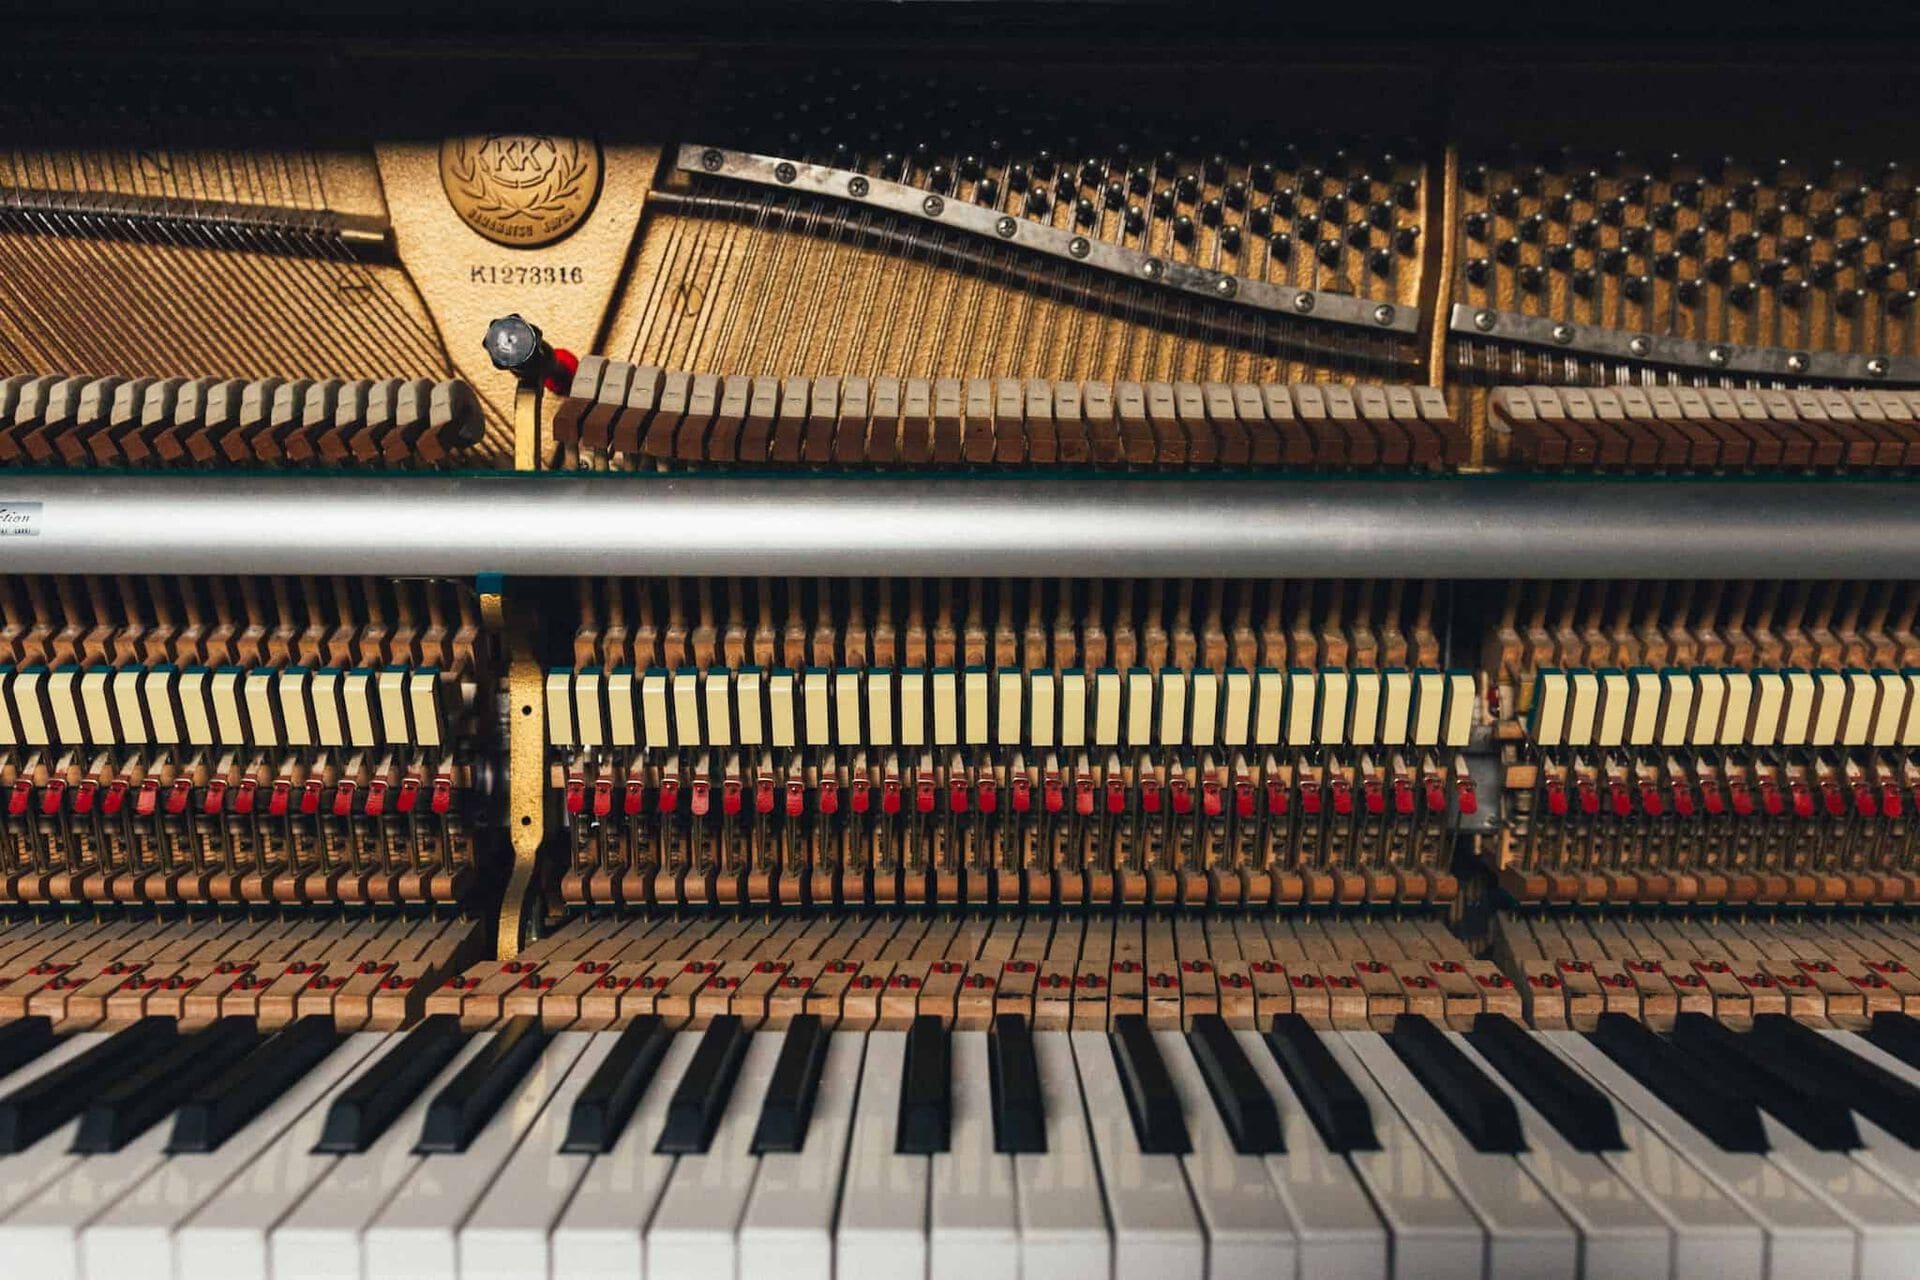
{"x": 521, "y": 189}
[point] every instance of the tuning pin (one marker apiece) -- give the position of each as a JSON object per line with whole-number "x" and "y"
{"x": 1508, "y": 251}
{"x": 1478, "y": 270}
{"x": 1587, "y": 234}
{"x": 1283, "y": 202}
{"x": 1136, "y": 219}
{"x": 1115, "y": 196}
{"x": 1667, "y": 265}
{"x": 1474, "y": 178}
{"x": 938, "y": 179}
{"x": 1139, "y": 180}
{"x": 1212, "y": 211}
{"x": 1637, "y": 288}
{"x": 1690, "y": 241}
{"x": 1741, "y": 295}
{"x": 1560, "y": 257}
{"x": 1307, "y": 227}
{"x": 1476, "y": 226}
{"x": 1613, "y": 212}
{"x": 1084, "y": 212}
{"x": 1359, "y": 235}
{"x": 986, "y": 191}
{"x": 1684, "y": 193}
{"x": 1613, "y": 260}
{"x": 1688, "y": 292}
{"x": 1666, "y": 214}
{"x": 1584, "y": 184}
{"x": 1849, "y": 302}
{"x": 1560, "y": 208}
{"x": 1584, "y": 281}
{"x": 1406, "y": 238}
{"x": 1017, "y": 177}
{"x": 1532, "y": 278}
{"x": 1280, "y": 244}
{"x": 1635, "y": 239}
{"x": 1162, "y": 202}
{"x": 1329, "y": 252}
{"x": 1902, "y": 303}
{"x": 1215, "y": 168}
{"x": 1506, "y": 202}
{"x": 1183, "y": 229}
{"x": 1043, "y": 164}
{"x": 1038, "y": 202}
{"x": 1530, "y": 227}
{"x": 1380, "y": 262}
{"x": 1186, "y": 186}
{"x": 1793, "y": 293}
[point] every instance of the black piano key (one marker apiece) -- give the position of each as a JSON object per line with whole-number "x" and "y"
{"x": 367, "y": 1107}
{"x": 694, "y": 1110}
{"x": 1818, "y": 1062}
{"x": 1248, "y": 1110}
{"x": 462, "y": 1108}
{"x": 1568, "y": 1100}
{"x": 1805, "y": 1106}
{"x": 1019, "y": 1108}
{"x": 22, "y": 1040}
{"x": 1478, "y": 1107}
{"x": 601, "y": 1112}
{"x": 218, "y": 1109}
{"x": 1330, "y": 1098}
{"x": 153, "y": 1088}
{"x": 1154, "y": 1106}
{"x": 788, "y": 1108}
{"x": 926, "y": 1083}
{"x": 34, "y": 1110}
{"x": 1898, "y": 1034}
{"x": 1728, "y": 1117}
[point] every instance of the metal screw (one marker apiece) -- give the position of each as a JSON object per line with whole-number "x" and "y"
{"x": 1006, "y": 227}
{"x": 933, "y": 206}
{"x": 1716, "y": 356}
{"x": 858, "y": 186}
{"x": 1877, "y": 366}
{"x": 785, "y": 171}
{"x": 1639, "y": 346}
{"x": 1225, "y": 286}
{"x": 1797, "y": 362}
{"x": 1154, "y": 268}
{"x": 1383, "y": 314}
{"x": 711, "y": 160}
{"x": 1079, "y": 247}
{"x": 1303, "y": 302}
{"x": 1484, "y": 321}
{"x": 1563, "y": 334}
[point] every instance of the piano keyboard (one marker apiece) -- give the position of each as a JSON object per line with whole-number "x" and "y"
{"x": 650, "y": 1151}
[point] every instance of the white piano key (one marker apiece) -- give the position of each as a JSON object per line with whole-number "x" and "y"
{"x": 1886, "y": 1221}
{"x": 787, "y": 1232}
{"x": 227, "y": 1236}
{"x": 1805, "y": 1238}
{"x": 1713, "y": 1237}
{"x": 320, "y": 1238}
{"x": 1064, "y": 1234}
{"x": 1250, "y": 1232}
{"x": 40, "y": 1237}
{"x": 974, "y": 1228}
{"x": 1434, "y": 1234}
{"x": 417, "y": 1235}
{"x": 882, "y": 1231}
{"x": 1885, "y": 1154}
{"x": 1621, "y": 1237}
{"x": 1156, "y": 1232}
{"x": 602, "y": 1234}
{"x": 1526, "y": 1234}
{"x": 506, "y": 1235}
{"x": 692, "y": 1233}
{"x": 1339, "y": 1232}
{"x": 137, "y": 1233}
{"x": 24, "y": 1173}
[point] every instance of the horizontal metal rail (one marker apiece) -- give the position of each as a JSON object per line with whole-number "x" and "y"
{"x": 955, "y": 526}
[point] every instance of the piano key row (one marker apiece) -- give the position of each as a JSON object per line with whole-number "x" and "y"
{"x": 657, "y": 708}
{"x": 56, "y": 419}
{"x": 165, "y": 705}
{"x": 1704, "y": 428}
{"x": 1730, "y": 707}
{"x": 663, "y": 413}
{"x": 1417, "y": 1152}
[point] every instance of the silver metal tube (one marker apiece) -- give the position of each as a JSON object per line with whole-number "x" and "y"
{"x": 1454, "y": 527}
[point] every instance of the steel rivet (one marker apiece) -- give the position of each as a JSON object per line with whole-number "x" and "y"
{"x": 1563, "y": 334}
{"x": 1383, "y": 314}
{"x": 785, "y": 172}
{"x": 1006, "y": 227}
{"x": 858, "y": 186}
{"x": 1079, "y": 247}
{"x": 1639, "y": 346}
{"x": 1225, "y": 286}
{"x": 1877, "y": 366}
{"x": 1303, "y": 302}
{"x": 933, "y": 206}
{"x": 1484, "y": 321}
{"x": 711, "y": 160}
{"x": 1797, "y": 362}
{"x": 1153, "y": 268}
{"x": 1716, "y": 356}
